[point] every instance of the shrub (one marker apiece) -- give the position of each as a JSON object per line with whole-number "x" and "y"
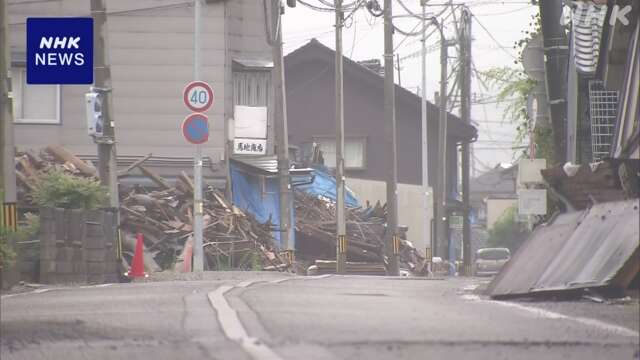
{"x": 7, "y": 255}
{"x": 507, "y": 231}
{"x": 58, "y": 189}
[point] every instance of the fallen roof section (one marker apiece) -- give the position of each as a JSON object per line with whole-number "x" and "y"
{"x": 584, "y": 185}
{"x": 594, "y": 248}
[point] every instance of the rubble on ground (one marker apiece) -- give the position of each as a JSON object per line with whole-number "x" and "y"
{"x": 316, "y": 234}
{"x": 232, "y": 238}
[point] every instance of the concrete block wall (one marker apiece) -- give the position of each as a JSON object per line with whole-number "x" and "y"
{"x": 78, "y": 246}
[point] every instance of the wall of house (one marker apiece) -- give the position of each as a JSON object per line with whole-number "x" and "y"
{"x": 245, "y": 39}
{"x": 497, "y": 207}
{"x": 150, "y": 49}
{"x": 410, "y": 209}
{"x": 310, "y": 109}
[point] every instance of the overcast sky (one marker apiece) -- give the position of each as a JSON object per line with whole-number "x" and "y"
{"x": 504, "y": 20}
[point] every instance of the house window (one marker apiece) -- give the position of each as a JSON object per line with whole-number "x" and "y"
{"x": 34, "y": 104}
{"x": 354, "y": 152}
{"x": 251, "y": 88}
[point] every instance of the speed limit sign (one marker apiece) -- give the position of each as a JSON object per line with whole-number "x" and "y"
{"x": 198, "y": 96}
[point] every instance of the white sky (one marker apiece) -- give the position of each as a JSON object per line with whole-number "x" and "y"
{"x": 505, "y": 20}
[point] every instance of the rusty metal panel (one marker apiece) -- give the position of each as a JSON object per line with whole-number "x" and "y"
{"x": 597, "y": 250}
{"x": 526, "y": 266}
{"x": 590, "y": 248}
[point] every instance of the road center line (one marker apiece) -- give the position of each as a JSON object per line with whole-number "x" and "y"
{"x": 232, "y": 326}
{"x": 620, "y": 330}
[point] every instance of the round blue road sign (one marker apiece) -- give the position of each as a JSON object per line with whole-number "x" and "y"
{"x": 195, "y": 128}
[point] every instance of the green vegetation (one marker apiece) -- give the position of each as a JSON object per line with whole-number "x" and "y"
{"x": 58, "y": 189}
{"x": 508, "y": 232}
{"x": 8, "y": 238}
{"x": 514, "y": 87}
{"x": 7, "y": 255}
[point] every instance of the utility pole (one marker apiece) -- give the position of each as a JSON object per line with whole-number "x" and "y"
{"x": 198, "y": 203}
{"x": 464, "y": 39}
{"x": 8, "y": 178}
{"x": 282, "y": 140}
{"x": 107, "y": 166}
{"x": 392, "y": 240}
{"x": 398, "y": 68}
{"x": 441, "y": 211}
{"x": 341, "y": 228}
{"x": 424, "y": 143}
{"x": 555, "y": 55}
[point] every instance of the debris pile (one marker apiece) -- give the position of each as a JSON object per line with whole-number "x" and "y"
{"x": 232, "y": 238}
{"x": 316, "y": 234}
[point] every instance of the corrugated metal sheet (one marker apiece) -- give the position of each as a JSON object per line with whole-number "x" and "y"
{"x": 267, "y": 164}
{"x": 524, "y": 269}
{"x": 589, "y": 249}
{"x": 597, "y": 249}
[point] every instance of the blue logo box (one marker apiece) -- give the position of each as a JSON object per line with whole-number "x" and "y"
{"x": 59, "y": 50}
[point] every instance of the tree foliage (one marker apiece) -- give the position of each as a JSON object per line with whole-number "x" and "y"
{"x": 508, "y": 232}
{"x": 58, "y": 189}
{"x": 28, "y": 230}
{"x": 514, "y": 87}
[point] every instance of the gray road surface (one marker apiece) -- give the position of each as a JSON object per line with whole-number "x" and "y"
{"x": 250, "y": 315}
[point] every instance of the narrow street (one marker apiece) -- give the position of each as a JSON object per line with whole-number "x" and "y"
{"x": 270, "y": 316}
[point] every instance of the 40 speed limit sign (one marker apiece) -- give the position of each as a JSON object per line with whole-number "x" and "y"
{"x": 198, "y": 96}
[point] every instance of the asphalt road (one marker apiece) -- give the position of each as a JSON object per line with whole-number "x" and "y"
{"x": 271, "y": 316}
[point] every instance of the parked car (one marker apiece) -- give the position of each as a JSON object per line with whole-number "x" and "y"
{"x": 489, "y": 261}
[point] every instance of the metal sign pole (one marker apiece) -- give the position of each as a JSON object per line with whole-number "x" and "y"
{"x": 426, "y": 221}
{"x": 341, "y": 241}
{"x": 198, "y": 205}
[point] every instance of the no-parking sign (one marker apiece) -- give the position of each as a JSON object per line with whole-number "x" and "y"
{"x": 195, "y": 128}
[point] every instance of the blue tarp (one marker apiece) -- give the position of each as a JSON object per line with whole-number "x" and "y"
{"x": 324, "y": 184}
{"x": 263, "y": 203}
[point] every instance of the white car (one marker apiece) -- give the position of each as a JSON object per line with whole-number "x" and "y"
{"x": 489, "y": 261}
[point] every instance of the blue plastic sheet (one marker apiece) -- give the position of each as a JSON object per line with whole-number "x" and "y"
{"x": 263, "y": 203}
{"x": 324, "y": 184}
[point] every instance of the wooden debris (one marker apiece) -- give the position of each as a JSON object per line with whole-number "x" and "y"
{"x": 316, "y": 234}
{"x": 162, "y": 183}
{"x": 232, "y": 238}
{"x": 64, "y": 156}
{"x": 134, "y": 165}
{"x": 186, "y": 180}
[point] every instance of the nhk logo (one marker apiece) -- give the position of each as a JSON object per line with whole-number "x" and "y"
{"x": 59, "y": 50}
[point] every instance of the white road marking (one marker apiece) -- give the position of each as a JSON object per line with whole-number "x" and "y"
{"x": 315, "y": 277}
{"x": 95, "y": 286}
{"x": 541, "y": 313}
{"x": 231, "y": 324}
{"x": 233, "y": 328}
{"x": 247, "y": 283}
{"x": 40, "y": 291}
{"x": 470, "y": 287}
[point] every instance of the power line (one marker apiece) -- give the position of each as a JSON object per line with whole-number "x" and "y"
{"x": 506, "y": 12}
{"x": 492, "y": 37}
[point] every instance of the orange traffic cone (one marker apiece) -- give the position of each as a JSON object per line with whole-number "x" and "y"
{"x": 188, "y": 254}
{"x": 137, "y": 267}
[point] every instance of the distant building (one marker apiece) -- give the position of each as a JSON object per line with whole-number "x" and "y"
{"x": 311, "y": 118}
{"x": 492, "y": 193}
